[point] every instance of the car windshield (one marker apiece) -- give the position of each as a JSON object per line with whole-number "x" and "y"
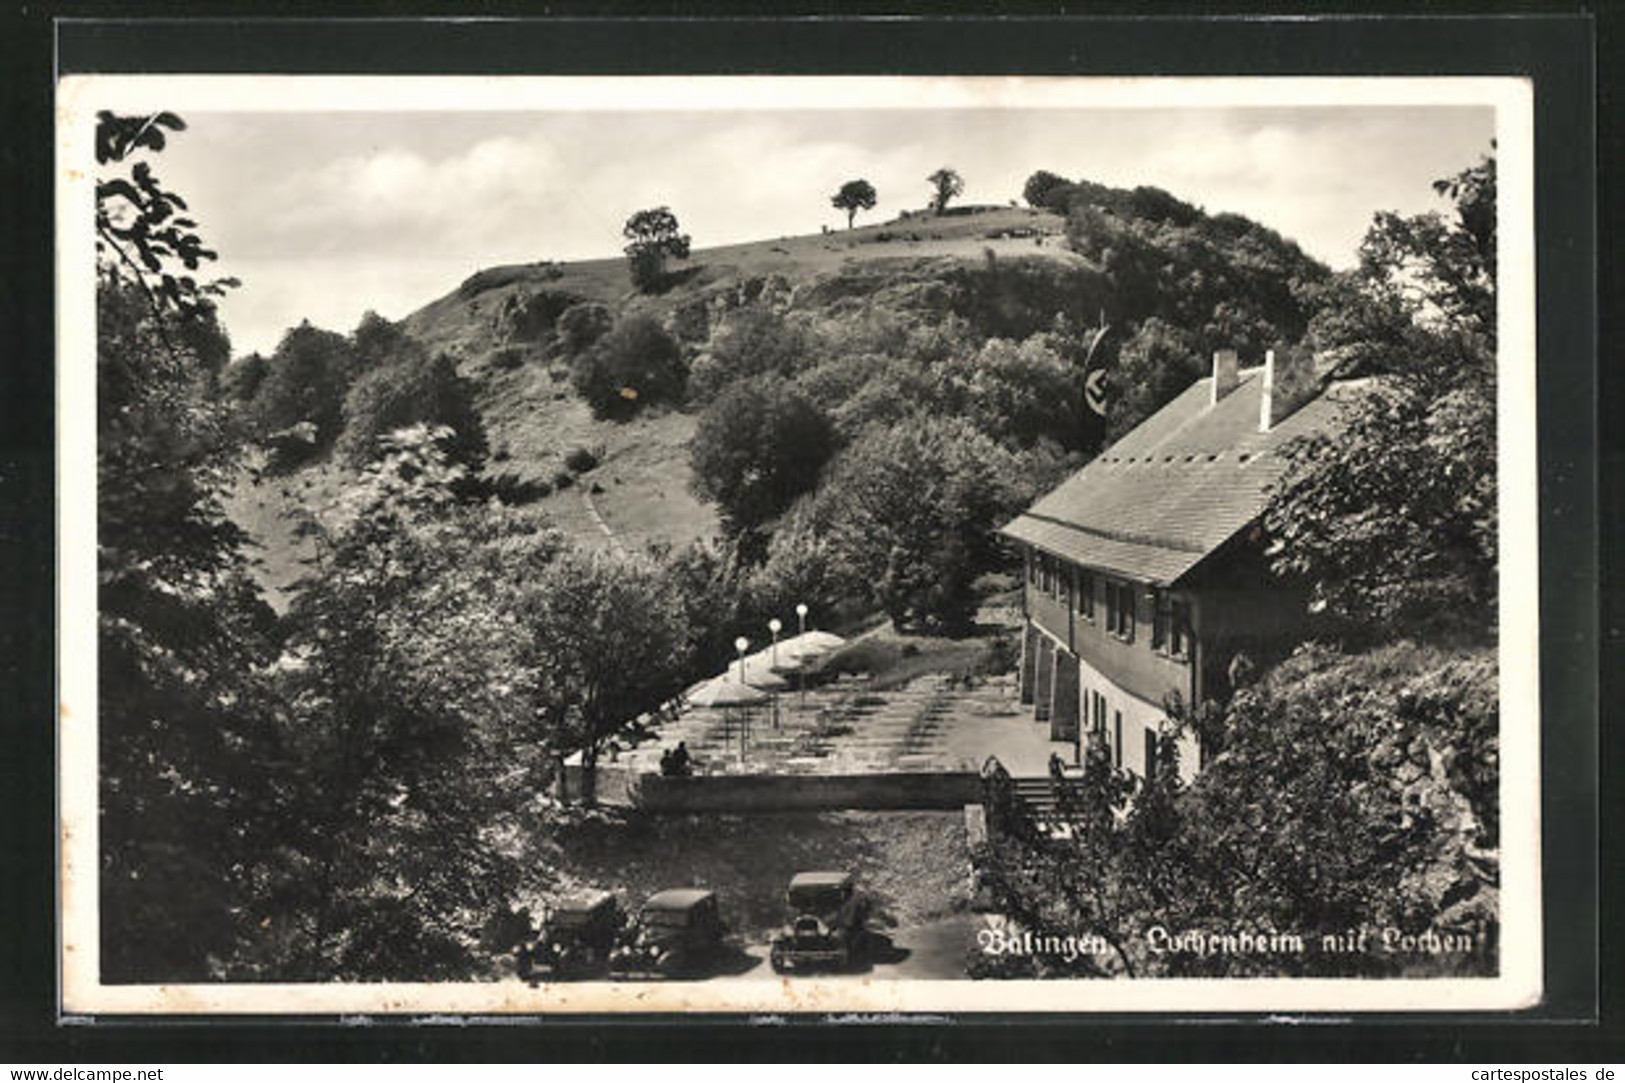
{"x": 666, "y": 919}
{"x": 817, "y": 898}
{"x": 572, "y": 919}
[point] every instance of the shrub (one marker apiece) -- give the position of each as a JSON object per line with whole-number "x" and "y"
{"x": 756, "y": 449}
{"x": 635, "y": 364}
{"x": 752, "y": 341}
{"x": 580, "y": 460}
{"x": 397, "y": 396}
{"x": 563, "y": 480}
{"x": 581, "y": 325}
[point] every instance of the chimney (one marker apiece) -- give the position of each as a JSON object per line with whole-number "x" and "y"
{"x": 1289, "y": 382}
{"x": 1224, "y": 375}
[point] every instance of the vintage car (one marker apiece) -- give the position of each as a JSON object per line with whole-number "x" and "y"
{"x": 576, "y": 939}
{"x": 828, "y": 916}
{"x": 676, "y": 934}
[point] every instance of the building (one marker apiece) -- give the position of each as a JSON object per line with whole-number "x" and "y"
{"x": 1144, "y": 571}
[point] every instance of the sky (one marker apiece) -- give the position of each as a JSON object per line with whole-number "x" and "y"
{"x": 324, "y": 215}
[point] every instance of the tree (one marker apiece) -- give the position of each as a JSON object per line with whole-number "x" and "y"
{"x": 756, "y": 448}
{"x": 634, "y": 364}
{"x": 946, "y": 184}
{"x": 409, "y": 734}
{"x": 417, "y": 389}
{"x": 1157, "y": 362}
{"x": 911, "y": 511}
{"x": 1040, "y": 186}
{"x": 752, "y": 341}
{"x": 1017, "y": 393}
{"x": 181, "y": 628}
{"x": 654, "y": 238}
{"x": 854, "y": 196}
{"x": 1388, "y": 823}
{"x": 1395, "y": 522}
{"x": 610, "y": 645}
{"x": 309, "y": 375}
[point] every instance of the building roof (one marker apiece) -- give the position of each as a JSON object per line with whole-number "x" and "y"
{"x": 1181, "y": 484}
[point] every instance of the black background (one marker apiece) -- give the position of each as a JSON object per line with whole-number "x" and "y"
{"x": 1554, "y": 46}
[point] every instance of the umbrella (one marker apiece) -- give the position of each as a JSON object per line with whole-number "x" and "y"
{"x": 759, "y": 674}
{"x": 726, "y": 691}
{"x": 808, "y": 647}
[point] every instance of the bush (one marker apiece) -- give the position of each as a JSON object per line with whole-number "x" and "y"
{"x": 756, "y": 449}
{"x": 635, "y": 364}
{"x": 753, "y": 341}
{"x": 581, "y": 325}
{"x": 563, "y": 480}
{"x": 580, "y": 460}
{"x": 416, "y": 391}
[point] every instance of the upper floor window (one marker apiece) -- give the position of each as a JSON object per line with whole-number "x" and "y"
{"x": 1120, "y": 609}
{"x": 1086, "y": 595}
{"x": 1170, "y": 625}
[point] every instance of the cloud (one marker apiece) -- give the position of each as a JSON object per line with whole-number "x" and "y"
{"x": 325, "y": 215}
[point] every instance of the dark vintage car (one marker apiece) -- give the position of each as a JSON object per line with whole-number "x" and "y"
{"x": 677, "y": 933}
{"x": 576, "y": 939}
{"x": 828, "y": 919}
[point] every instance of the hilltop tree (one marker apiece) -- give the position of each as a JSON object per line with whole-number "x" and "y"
{"x": 654, "y": 237}
{"x": 946, "y": 184}
{"x": 1039, "y": 187}
{"x": 854, "y": 196}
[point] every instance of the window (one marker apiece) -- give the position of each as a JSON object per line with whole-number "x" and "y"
{"x": 1117, "y": 743}
{"x": 1150, "y": 754}
{"x": 1064, "y": 581}
{"x": 1046, "y": 574}
{"x": 1179, "y": 630}
{"x": 1170, "y": 625}
{"x": 1120, "y": 609}
{"x": 1032, "y": 567}
{"x": 1086, "y": 595}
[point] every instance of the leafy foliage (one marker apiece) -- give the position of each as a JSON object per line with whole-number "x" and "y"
{"x": 946, "y": 184}
{"x": 1355, "y": 792}
{"x": 417, "y": 389}
{"x": 654, "y": 237}
{"x": 756, "y": 448}
{"x": 854, "y": 196}
{"x": 409, "y": 694}
{"x": 1396, "y": 521}
{"x": 636, "y": 363}
{"x": 1040, "y": 186}
{"x": 910, "y": 511}
{"x": 180, "y": 627}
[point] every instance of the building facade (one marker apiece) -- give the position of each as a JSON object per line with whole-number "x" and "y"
{"x": 1145, "y": 571}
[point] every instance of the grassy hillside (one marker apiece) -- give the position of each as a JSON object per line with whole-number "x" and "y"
{"x": 640, "y": 491}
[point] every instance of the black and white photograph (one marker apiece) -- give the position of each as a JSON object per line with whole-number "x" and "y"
{"x": 775, "y": 544}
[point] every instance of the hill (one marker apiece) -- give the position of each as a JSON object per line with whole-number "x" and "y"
{"x": 870, "y": 324}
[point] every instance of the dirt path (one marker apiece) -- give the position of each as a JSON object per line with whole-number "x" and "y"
{"x": 592, "y": 513}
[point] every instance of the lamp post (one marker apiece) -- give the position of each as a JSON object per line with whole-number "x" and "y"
{"x": 773, "y": 627}
{"x": 801, "y": 671}
{"x": 740, "y": 645}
